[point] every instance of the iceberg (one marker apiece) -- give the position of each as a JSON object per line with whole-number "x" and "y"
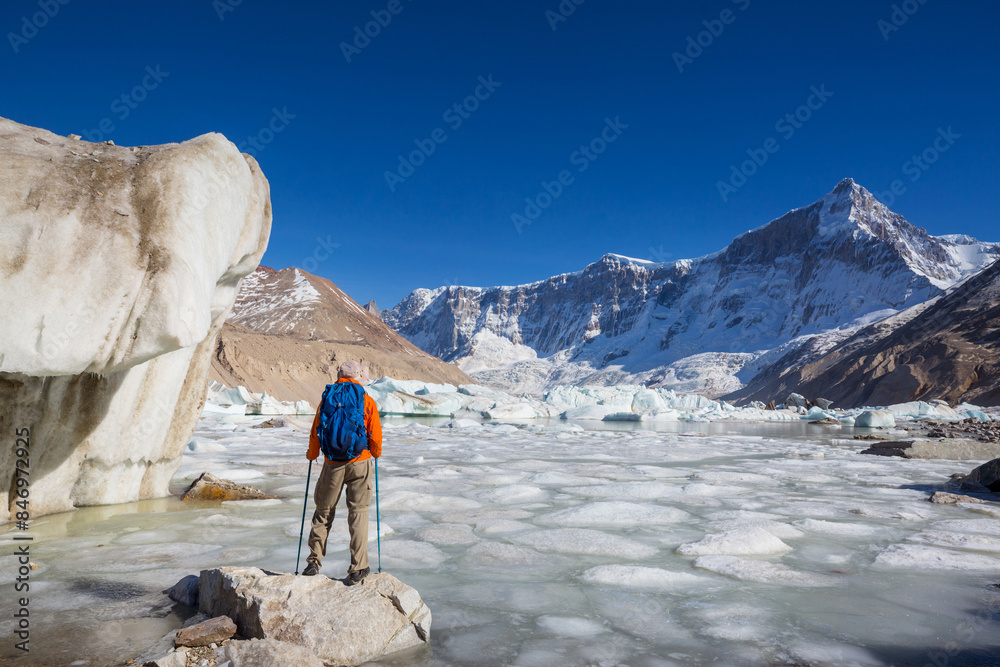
{"x": 222, "y": 400}
{"x": 625, "y": 403}
{"x": 120, "y": 265}
{"x": 875, "y": 419}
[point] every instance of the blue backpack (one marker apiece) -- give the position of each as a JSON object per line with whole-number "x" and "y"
{"x": 342, "y": 433}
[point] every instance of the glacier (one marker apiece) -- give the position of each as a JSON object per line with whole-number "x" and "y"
{"x": 119, "y": 267}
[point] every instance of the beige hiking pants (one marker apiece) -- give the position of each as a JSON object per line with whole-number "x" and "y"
{"x": 357, "y": 477}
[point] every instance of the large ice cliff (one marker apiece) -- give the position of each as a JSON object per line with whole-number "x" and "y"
{"x": 118, "y": 267}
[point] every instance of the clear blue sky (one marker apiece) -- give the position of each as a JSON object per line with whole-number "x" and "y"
{"x": 652, "y": 193}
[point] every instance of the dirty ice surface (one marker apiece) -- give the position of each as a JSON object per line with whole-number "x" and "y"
{"x": 547, "y": 544}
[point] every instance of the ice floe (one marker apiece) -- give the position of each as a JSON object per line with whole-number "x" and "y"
{"x": 583, "y": 541}
{"x": 616, "y": 513}
{"x": 760, "y": 571}
{"x": 924, "y": 557}
{"x": 639, "y": 577}
{"x": 741, "y": 541}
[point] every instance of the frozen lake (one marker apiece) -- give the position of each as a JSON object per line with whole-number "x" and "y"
{"x": 546, "y": 544}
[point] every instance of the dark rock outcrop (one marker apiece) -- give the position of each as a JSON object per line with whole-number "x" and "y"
{"x": 946, "y": 349}
{"x": 289, "y": 331}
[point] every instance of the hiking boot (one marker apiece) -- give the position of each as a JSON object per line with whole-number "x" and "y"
{"x": 312, "y": 569}
{"x": 357, "y": 577}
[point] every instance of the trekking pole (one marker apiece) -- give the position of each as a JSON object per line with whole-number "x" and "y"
{"x": 378, "y": 520}
{"x": 302, "y": 527}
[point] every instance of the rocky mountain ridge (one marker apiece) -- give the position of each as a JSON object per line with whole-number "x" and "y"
{"x": 947, "y": 348}
{"x": 804, "y": 281}
{"x": 289, "y": 330}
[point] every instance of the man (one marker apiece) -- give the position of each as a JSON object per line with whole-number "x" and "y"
{"x": 356, "y": 475}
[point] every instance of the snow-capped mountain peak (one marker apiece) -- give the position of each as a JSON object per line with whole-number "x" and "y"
{"x": 272, "y": 301}
{"x": 832, "y": 265}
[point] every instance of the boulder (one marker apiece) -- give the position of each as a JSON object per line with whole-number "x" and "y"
{"x": 875, "y": 419}
{"x": 342, "y": 625}
{"x": 173, "y": 659}
{"x": 164, "y": 646}
{"x": 185, "y": 591}
{"x": 213, "y": 631}
{"x": 210, "y": 487}
{"x": 269, "y": 653}
{"x": 945, "y": 498}
{"x": 986, "y": 476}
{"x": 273, "y": 422}
{"x": 117, "y": 270}
{"x": 889, "y": 448}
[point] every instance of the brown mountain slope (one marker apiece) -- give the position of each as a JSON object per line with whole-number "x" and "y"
{"x": 948, "y": 348}
{"x": 289, "y": 330}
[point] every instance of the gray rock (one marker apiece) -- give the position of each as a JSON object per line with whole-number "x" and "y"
{"x": 185, "y": 591}
{"x": 275, "y": 422}
{"x": 270, "y": 653}
{"x": 986, "y": 475}
{"x": 207, "y": 632}
{"x": 382, "y": 616}
{"x": 210, "y": 487}
{"x": 175, "y": 659}
{"x": 889, "y": 448}
{"x": 945, "y": 498}
{"x": 165, "y": 644}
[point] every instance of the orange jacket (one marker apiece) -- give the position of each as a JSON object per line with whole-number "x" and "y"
{"x": 372, "y": 423}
